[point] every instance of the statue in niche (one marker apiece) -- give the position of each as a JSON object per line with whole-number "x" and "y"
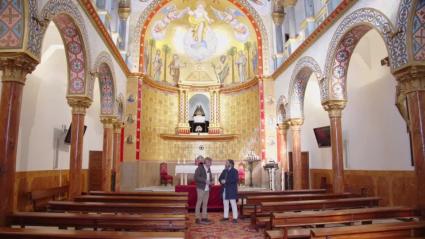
{"x": 129, "y": 139}
{"x": 199, "y": 115}
{"x": 241, "y": 62}
{"x": 221, "y": 69}
{"x": 130, "y": 119}
{"x": 175, "y": 68}
{"x": 157, "y": 66}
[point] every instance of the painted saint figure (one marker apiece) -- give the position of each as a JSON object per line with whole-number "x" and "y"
{"x": 175, "y": 68}
{"x": 241, "y": 62}
{"x": 199, "y": 21}
{"x": 157, "y": 66}
{"x": 221, "y": 69}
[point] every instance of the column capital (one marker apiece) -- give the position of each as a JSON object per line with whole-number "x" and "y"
{"x": 16, "y": 67}
{"x": 334, "y": 107}
{"x": 295, "y": 123}
{"x": 278, "y": 18}
{"x": 118, "y": 125}
{"x": 79, "y": 104}
{"x": 411, "y": 78}
{"x": 108, "y": 121}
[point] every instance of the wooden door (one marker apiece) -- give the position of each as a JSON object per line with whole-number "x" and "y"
{"x": 305, "y": 170}
{"x": 95, "y": 170}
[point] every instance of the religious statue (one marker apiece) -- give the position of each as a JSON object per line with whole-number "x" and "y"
{"x": 175, "y": 68}
{"x": 199, "y": 21}
{"x": 157, "y": 66}
{"x": 199, "y": 115}
{"x": 241, "y": 62}
{"x": 221, "y": 69}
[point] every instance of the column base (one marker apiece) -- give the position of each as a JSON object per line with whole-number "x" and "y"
{"x": 214, "y": 130}
{"x": 183, "y": 130}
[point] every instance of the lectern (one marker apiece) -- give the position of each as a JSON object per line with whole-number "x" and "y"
{"x": 271, "y": 168}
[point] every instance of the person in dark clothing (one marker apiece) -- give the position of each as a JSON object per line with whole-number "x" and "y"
{"x": 229, "y": 181}
{"x": 203, "y": 180}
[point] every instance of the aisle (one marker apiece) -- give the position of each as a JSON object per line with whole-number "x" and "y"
{"x": 221, "y": 230}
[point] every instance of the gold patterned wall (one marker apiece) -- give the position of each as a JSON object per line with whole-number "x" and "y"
{"x": 239, "y": 115}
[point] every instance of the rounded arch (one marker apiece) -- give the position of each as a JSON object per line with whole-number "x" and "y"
{"x": 281, "y": 108}
{"x": 352, "y": 28}
{"x": 71, "y": 26}
{"x": 105, "y": 74}
{"x": 254, "y": 17}
{"x": 202, "y": 100}
{"x": 301, "y": 74}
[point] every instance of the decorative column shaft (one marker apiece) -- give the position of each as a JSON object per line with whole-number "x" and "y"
{"x": 124, "y": 11}
{"x": 13, "y": 80}
{"x": 309, "y": 16}
{"x": 116, "y": 165}
{"x": 107, "y": 154}
{"x": 295, "y": 125}
{"x": 79, "y": 106}
{"x": 411, "y": 82}
{"x": 278, "y": 20}
{"x": 290, "y": 11}
{"x": 183, "y": 125}
{"x": 282, "y": 131}
{"x": 214, "y": 127}
{"x": 334, "y": 109}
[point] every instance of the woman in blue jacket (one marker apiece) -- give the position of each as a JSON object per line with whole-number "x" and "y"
{"x": 229, "y": 182}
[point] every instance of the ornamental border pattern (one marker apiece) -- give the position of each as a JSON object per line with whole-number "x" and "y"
{"x": 104, "y": 58}
{"x": 12, "y": 24}
{"x": 305, "y": 66}
{"x": 400, "y": 40}
{"x": 333, "y": 88}
{"x": 135, "y": 40}
{"x": 50, "y": 11}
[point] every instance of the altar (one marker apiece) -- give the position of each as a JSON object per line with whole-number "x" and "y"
{"x": 184, "y": 169}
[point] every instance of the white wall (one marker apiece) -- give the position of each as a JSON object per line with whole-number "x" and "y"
{"x": 314, "y": 116}
{"x": 45, "y": 110}
{"x": 376, "y": 134}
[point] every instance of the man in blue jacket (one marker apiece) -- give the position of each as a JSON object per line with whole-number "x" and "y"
{"x": 229, "y": 181}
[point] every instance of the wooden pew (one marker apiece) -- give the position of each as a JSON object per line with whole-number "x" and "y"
{"x": 101, "y": 207}
{"x": 288, "y": 220}
{"x": 145, "y": 222}
{"x": 40, "y": 198}
{"x": 20, "y": 233}
{"x": 242, "y": 195}
{"x": 131, "y": 199}
{"x": 262, "y": 214}
{"x": 138, "y": 194}
{"x": 256, "y": 200}
{"x": 384, "y": 230}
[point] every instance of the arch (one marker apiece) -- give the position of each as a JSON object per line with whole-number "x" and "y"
{"x": 71, "y": 26}
{"x": 254, "y": 17}
{"x": 347, "y": 35}
{"x": 103, "y": 65}
{"x": 302, "y": 72}
{"x": 281, "y": 108}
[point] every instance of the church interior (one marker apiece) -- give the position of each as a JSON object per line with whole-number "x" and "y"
{"x": 109, "y": 107}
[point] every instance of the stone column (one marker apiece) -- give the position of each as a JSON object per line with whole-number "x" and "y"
{"x": 309, "y": 16}
{"x": 411, "y": 87}
{"x": 124, "y": 11}
{"x": 116, "y": 165}
{"x": 107, "y": 154}
{"x": 282, "y": 130}
{"x": 334, "y": 109}
{"x": 290, "y": 12}
{"x": 295, "y": 125}
{"x": 278, "y": 20}
{"x": 79, "y": 105}
{"x": 13, "y": 80}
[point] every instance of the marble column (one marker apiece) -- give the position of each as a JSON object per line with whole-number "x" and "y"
{"x": 116, "y": 165}
{"x": 334, "y": 109}
{"x": 278, "y": 18}
{"x": 13, "y": 80}
{"x": 411, "y": 84}
{"x": 282, "y": 131}
{"x": 79, "y": 105}
{"x": 124, "y": 11}
{"x": 295, "y": 125}
{"x": 290, "y": 12}
{"x": 107, "y": 153}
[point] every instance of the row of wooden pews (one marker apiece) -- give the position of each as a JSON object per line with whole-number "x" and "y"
{"x": 318, "y": 214}
{"x": 107, "y": 215}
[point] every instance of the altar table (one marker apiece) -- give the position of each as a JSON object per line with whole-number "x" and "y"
{"x": 214, "y": 202}
{"x": 185, "y": 169}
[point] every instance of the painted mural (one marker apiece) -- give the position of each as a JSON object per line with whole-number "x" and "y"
{"x": 194, "y": 43}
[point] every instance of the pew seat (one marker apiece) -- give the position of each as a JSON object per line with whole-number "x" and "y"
{"x": 144, "y": 222}
{"x": 40, "y": 198}
{"x": 131, "y": 199}
{"x": 384, "y": 230}
{"x": 150, "y": 193}
{"x": 26, "y": 233}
